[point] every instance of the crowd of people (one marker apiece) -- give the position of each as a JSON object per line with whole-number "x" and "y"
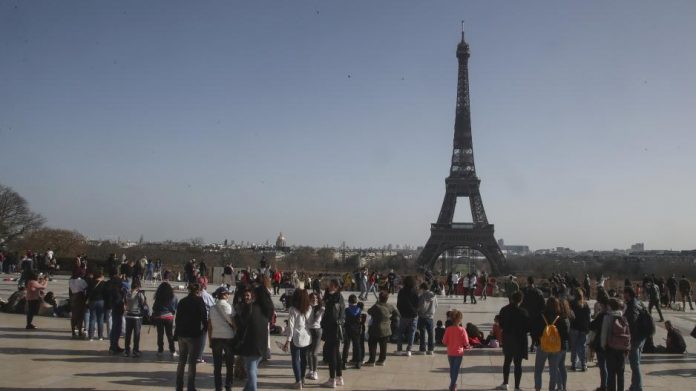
{"x": 555, "y": 322}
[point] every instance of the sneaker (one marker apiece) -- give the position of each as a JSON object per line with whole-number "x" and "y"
{"x": 200, "y": 361}
{"x": 101, "y": 338}
{"x": 380, "y": 363}
{"x": 584, "y": 368}
{"x": 174, "y": 354}
{"x": 502, "y": 387}
{"x": 369, "y": 363}
{"x": 91, "y": 339}
{"x": 339, "y": 381}
{"x": 408, "y": 353}
{"x": 331, "y": 383}
{"x": 429, "y": 352}
{"x": 315, "y": 375}
{"x": 297, "y": 386}
{"x": 30, "y": 327}
{"x": 309, "y": 375}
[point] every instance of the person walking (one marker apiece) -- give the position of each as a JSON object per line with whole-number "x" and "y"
{"x": 252, "y": 320}
{"x": 35, "y": 286}
{"x": 314, "y": 326}
{"x": 136, "y": 308}
{"x": 383, "y": 314}
{"x": 163, "y": 313}
{"x": 298, "y": 336}
{"x": 221, "y": 330}
{"x": 654, "y": 300}
{"x": 579, "y": 327}
{"x": 457, "y": 341}
{"x": 548, "y": 330}
{"x": 514, "y": 320}
{"x": 96, "y": 295}
{"x": 77, "y": 293}
{"x": 332, "y": 330}
{"x": 407, "y": 304}
{"x": 191, "y": 325}
{"x": 427, "y": 306}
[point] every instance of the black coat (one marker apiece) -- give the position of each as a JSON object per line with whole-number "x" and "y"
{"x": 515, "y": 324}
{"x": 253, "y": 330}
{"x": 334, "y": 316}
{"x": 407, "y": 303}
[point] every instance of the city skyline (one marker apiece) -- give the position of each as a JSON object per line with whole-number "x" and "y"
{"x": 333, "y": 122}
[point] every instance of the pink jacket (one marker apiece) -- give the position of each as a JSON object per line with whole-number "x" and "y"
{"x": 456, "y": 340}
{"x": 34, "y": 289}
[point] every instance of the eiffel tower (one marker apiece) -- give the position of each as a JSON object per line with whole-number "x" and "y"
{"x": 462, "y": 182}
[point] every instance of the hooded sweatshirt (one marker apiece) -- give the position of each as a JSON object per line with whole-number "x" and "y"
{"x": 427, "y": 305}
{"x": 353, "y": 319}
{"x": 606, "y": 326}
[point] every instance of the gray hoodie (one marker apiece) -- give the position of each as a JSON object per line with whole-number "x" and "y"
{"x": 427, "y": 304}
{"x": 606, "y": 326}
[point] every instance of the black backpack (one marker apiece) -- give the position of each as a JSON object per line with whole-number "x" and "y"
{"x": 645, "y": 324}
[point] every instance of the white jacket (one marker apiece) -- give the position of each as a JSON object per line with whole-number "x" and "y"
{"x": 298, "y": 332}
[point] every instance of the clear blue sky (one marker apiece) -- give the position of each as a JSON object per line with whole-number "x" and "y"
{"x": 333, "y": 121}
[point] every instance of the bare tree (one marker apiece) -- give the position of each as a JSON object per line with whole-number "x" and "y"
{"x": 65, "y": 243}
{"x": 16, "y": 219}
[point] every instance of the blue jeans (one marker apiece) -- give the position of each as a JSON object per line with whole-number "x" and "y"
{"x": 107, "y": 320}
{"x": 251, "y": 364}
{"x": 116, "y": 325}
{"x": 407, "y": 325}
{"x": 299, "y": 361}
{"x": 540, "y": 363}
{"x": 426, "y": 325}
{"x": 96, "y": 318}
{"x": 455, "y": 362}
{"x": 562, "y": 371}
{"x": 577, "y": 349}
{"x": 634, "y": 361}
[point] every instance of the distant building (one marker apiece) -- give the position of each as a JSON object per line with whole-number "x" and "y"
{"x": 281, "y": 242}
{"x": 514, "y": 249}
{"x": 638, "y": 247}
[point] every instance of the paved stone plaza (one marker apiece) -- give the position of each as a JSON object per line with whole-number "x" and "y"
{"x": 48, "y": 359}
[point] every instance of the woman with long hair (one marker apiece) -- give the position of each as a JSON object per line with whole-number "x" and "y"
{"x": 551, "y": 316}
{"x": 299, "y": 338}
{"x": 579, "y": 328}
{"x": 566, "y": 316}
{"x": 97, "y": 292}
{"x": 252, "y": 322}
{"x": 163, "y": 312}
{"x": 407, "y": 304}
{"x": 314, "y": 326}
{"x": 332, "y": 331}
{"x": 35, "y": 285}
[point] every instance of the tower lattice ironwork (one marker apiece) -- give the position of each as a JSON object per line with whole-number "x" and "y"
{"x": 463, "y": 182}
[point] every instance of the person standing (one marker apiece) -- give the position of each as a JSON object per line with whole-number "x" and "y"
{"x": 383, "y": 314}
{"x": 191, "y": 325}
{"x": 362, "y": 283}
{"x": 221, "y": 330}
{"x": 352, "y": 333}
{"x": 407, "y": 304}
{"x": 579, "y": 327}
{"x": 615, "y": 355}
{"x": 514, "y": 320}
{"x": 484, "y": 286}
{"x": 549, "y": 330}
{"x": 427, "y": 305}
{"x": 332, "y": 330}
{"x": 97, "y": 292}
{"x": 136, "y": 308}
{"x": 672, "y": 289}
{"x": 534, "y": 305}
{"x": 466, "y": 280}
{"x": 586, "y": 285}
{"x": 252, "y": 321}
{"x": 391, "y": 281}
{"x": 511, "y": 286}
{"x": 456, "y": 340}
{"x": 314, "y": 326}
{"x": 163, "y": 312}
{"x": 77, "y": 292}
{"x": 35, "y": 286}
{"x": 564, "y": 330}
{"x": 473, "y": 280}
{"x": 299, "y": 337}
{"x": 633, "y": 308}
{"x": 685, "y": 291}
{"x": 116, "y": 293}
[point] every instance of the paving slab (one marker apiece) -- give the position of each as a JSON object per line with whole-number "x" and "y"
{"x": 48, "y": 359}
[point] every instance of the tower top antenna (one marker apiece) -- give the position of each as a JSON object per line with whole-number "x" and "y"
{"x": 462, "y": 29}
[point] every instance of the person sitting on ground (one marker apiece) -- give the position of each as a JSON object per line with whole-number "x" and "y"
{"x": 439, "y": 332}
{"x": 475, "y": 335}
{"x": 675, "y": 343}
{"x": 495, "y": 337}
{"x": 16, "y": 302}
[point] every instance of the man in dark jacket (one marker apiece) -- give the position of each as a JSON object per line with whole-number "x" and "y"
{"x": 631, "y": 313}
{"x": 685, "y": 291}
{"x": 407, "y": 304}
{"x": 654, "y": 299}
{"x": 332, "y": 331}
{"x": 672, "y": 289}
{"x": 191, "y": 326}
{"x": 534, "y": 304}
{"x": 116, "y": 292}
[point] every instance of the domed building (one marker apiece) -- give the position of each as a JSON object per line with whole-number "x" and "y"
{"x": 281, "y": 242}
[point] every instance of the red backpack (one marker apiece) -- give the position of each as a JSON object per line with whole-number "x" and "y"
{"x": 619, "y": 335}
